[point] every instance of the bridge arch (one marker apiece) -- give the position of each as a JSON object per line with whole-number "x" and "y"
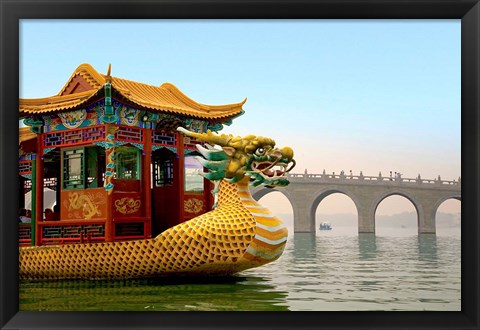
{"x": 320, "y": 195}
{"x": 444, "y": 198}
{"x": 435, "y": 210}
{"x": 306, "y": 191}
{"x": 259, "y": 193}
{"x": 263, "y": 191}
{"x": 410, "y": 197}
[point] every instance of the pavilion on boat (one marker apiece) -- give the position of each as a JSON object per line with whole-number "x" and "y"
{"x": 107, "y": 149}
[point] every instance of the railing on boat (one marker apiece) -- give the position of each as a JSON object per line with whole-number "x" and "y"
{"x": 71, "y": 231}
{"x": 82, "y": 231}
{"x": 131, "y": 228}
{"x": 24, "y": 234}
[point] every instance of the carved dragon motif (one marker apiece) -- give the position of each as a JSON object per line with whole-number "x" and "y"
{"x": 83, "y": 202}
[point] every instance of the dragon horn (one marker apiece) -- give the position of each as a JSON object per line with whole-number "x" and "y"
{"x": 209, "y": 137}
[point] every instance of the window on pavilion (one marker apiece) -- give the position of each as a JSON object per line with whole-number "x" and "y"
{"x": 127, "y": 163}
{"x": 162, "y": 171}
{"x": 83, "y": 167}
{"x": 193, "y": 179}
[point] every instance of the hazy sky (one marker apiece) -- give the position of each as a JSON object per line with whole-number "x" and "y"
{"x": 367, "y": 95}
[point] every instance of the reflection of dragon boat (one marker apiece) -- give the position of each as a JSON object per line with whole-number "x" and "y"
{"x": 128, "y": 206}
{"x": 251, "y": 293}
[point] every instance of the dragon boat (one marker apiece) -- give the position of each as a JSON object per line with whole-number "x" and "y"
{"x": 124, "y": 185}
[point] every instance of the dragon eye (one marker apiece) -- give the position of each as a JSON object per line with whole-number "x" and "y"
{"x": 260, "y": 151}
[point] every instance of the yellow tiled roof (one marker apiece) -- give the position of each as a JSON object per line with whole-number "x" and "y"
{"x": 24, "y": 134}
{"x": 54, "y": 103}
{"x": 165, "y": 98}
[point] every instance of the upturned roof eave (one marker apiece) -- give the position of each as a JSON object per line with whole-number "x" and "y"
{"x": 222, "y": 112}
{"x": 29, "y": 107}
{"x": 55, "y": 104}
{"x": 166, "y": 98}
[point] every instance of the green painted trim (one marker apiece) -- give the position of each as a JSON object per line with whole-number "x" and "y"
{"x": 108, "y": 100}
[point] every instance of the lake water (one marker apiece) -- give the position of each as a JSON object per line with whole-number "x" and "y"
{"x": 330, "y": 270}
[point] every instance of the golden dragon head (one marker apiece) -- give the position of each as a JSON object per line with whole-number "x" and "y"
{"x": 252, "y": 156}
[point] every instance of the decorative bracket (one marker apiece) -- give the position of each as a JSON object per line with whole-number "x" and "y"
{"x": 109, "y": 115}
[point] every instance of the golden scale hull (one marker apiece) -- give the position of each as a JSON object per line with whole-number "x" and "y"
{"x": 239, "y": 234}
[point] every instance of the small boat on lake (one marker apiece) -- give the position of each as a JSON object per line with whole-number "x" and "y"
{"x": 325, "y": 226}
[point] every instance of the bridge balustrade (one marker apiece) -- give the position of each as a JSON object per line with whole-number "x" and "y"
{"x": 345, "y": 178}
{"x": 306, "y": 191}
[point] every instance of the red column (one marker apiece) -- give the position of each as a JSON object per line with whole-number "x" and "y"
{"x": 147, "y": 178}
{"x": 38, "y": 212}
{"x": 180, "y": 176}
{"x": 109, "y": 227}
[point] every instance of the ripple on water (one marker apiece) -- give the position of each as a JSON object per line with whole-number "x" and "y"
{"x": 370, "y": 273}
{"x": 323, "y": 272}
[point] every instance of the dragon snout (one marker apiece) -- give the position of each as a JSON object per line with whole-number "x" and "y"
{"x": 287, "y": 154}
{"x": 284, "y": 156}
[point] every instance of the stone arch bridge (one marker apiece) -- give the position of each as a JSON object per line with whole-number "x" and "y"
{"x": 306, "y": 191}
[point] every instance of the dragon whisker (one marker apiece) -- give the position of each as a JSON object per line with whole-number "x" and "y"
{"x": 291, "y": 167}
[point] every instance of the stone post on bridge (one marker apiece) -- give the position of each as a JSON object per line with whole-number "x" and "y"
{"x": 427, "y": 224}
{"x": 366, "y": 216}
{"x": 301, "y": 215}
{"x": 428, "y": 208}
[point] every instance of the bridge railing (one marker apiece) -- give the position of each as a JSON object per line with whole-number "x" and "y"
{"x": 347, "y": 178}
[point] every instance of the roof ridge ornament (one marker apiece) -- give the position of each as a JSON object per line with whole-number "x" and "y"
{"x": 108, "y": 78}
{"x": 109, "y": 115}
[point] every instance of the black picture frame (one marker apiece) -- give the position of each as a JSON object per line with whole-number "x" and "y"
{"x": 14, "y": 10}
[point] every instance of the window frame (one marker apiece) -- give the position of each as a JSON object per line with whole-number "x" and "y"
{"x": 84, "y": 168}
{"x": 163, "y": 171}
{"x": 198, "y": 167}
{"x": 65, "y": 183}
{"x": 138, "y": 164}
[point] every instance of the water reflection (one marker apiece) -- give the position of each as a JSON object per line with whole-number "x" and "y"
{"x": 235, "y": 293}
{"x": 304, "y": 247}
{"x": 367, "y": 246}
{"x": 330, "y": 271}
{"x": 427, "y": 247}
